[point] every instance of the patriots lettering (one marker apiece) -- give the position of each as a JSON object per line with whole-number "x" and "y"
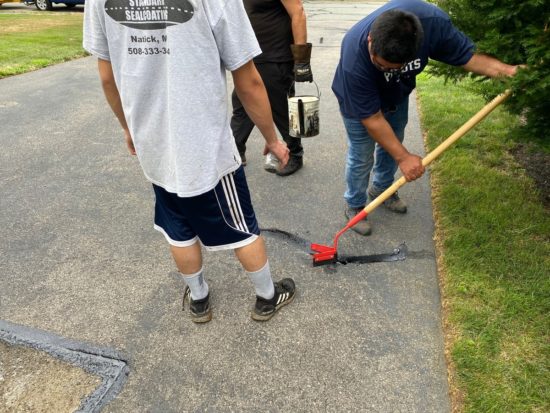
{"x": 409, "y": 67}
{"x": 414, "y": 65}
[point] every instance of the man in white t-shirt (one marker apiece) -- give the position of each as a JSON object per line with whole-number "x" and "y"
{"x": 162, "y": 66}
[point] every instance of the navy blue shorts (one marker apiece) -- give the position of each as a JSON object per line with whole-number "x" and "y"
{"x": 222, "y": 218}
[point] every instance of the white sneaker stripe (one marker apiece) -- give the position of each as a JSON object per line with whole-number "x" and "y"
{"x": 282, "y": 298}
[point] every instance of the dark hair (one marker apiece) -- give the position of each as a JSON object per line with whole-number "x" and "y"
{"x": 396, "y": 36}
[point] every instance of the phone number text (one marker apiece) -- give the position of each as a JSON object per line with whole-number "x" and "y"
{"x": 148, "y": 50}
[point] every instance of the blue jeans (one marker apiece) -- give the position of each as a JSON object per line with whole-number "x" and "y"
{"x": 363, "y": 152}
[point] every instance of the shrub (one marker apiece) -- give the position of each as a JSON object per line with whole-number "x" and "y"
{"x": 516, "y": 32}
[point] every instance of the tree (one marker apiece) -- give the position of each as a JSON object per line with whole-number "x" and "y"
{"x": 516, "y": 32}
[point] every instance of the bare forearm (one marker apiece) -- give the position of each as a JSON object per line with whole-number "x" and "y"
{"x": 381, "y": 131}
{"x": 252, "y": 94}
{"x": 489, "y": 66}
{"x": 297, "y": 15}
{"x": 256, "y": 103}
{"x": 113, "y": 98}
{"x": 251, "y": 91}
{"x": 299, "y": 28}
{"x": 111, "y": 91}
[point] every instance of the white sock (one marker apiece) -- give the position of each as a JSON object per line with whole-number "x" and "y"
{"x": 262, "y": 282}
{"x": 197, "y": 284}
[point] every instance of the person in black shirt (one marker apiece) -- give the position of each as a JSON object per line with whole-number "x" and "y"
{"x": 280, "y": 27}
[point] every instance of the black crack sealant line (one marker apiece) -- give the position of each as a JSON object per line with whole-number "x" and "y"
{"x": 398, "y": 254}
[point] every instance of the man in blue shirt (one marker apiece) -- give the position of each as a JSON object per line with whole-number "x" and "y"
{"x": 380, "y": 58}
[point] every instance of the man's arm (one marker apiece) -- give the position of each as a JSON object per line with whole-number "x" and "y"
{"x": 381, "y": 131}
{"x": 301, "y": 50}
{"x": 295, "y": 10}
{"x": 252, "y": 94}
{"x": 113, "y": 98}
{"x": 489, "y": 66}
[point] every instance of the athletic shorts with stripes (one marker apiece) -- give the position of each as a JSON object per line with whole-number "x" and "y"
{"x": 222, "y": 218}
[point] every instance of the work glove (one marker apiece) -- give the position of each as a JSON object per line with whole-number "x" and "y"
{"x": 302, "y": 68}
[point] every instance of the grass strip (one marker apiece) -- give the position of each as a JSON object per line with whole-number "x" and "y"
{"x": 30, "y": 41}
{"x": 494, "y": 257}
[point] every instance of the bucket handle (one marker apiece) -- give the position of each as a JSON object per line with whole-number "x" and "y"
{"x": 288, "y": 95}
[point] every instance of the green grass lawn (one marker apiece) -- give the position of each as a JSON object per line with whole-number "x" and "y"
{"x": 29, "y": 41}
{"x": 493, "y": 235}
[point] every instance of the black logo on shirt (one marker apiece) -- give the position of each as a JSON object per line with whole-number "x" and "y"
{"x": 149, "y": 14}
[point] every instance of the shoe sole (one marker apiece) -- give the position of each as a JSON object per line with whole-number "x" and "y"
{"x": 265, "y": 317}
{"x": 270, "y": 169}
{"x": 202, "y": 319}
{"x": 287, "y": 173}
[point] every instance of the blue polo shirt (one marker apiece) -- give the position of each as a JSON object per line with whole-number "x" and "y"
{"x": 362, "y": 90}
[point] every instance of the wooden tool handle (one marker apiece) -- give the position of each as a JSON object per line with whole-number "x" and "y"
{"x": 474, "y": 120}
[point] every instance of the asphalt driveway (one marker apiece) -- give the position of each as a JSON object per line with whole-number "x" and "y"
{"x": 80, "y": 259}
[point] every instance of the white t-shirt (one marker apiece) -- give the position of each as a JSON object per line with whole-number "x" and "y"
{"x": 169, "y": 59}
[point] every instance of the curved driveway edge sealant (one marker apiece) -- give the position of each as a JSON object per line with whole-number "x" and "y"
{"x": 106, "y": 363}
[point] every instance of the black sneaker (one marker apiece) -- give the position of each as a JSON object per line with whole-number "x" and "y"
{"x": 284, "y": 294}
{"x": 294, "y": 163}
{"x": 200, "y": 309}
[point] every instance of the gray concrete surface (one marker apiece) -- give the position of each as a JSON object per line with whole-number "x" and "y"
{"x": 79, "y": 258}
{"x": 34, "y": 372}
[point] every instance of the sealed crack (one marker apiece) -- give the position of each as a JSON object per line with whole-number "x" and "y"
{"x": 399, "y": 253}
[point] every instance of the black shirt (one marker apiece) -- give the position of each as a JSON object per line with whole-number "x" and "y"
{"x": 273, "y": 29}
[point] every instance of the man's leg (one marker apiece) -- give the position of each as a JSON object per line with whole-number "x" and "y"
{"x": 241, "y": 125}
{"x": 385, "y": 166}
{"x": 171, "y": 221}
{"x": 188, "y": 259}
{"x": 270, "y": 296}
{"x": 359, "y": 161}
{"x": 253, "y": 258}
{"x": 189, "y": 263}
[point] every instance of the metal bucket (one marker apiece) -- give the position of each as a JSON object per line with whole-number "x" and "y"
{"x": 303, "y": 114}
